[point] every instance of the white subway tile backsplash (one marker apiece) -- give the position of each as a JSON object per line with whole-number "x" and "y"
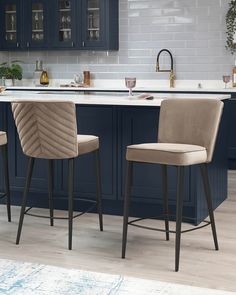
{"x": 197, "y": 44}
{"x": 194, "y": 30}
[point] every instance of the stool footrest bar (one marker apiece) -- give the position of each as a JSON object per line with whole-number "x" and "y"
{"x": 60, "y": 218}
{"x": 164, "y": 217}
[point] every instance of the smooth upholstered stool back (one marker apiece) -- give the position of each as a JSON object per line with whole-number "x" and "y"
{"x": 190, "y": 121}
{"x": 47, "y": 129}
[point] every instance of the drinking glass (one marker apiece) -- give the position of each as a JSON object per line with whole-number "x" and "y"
{"x": 226, "y": 80}
{"x": 77, "y": 78}
{"x": 130, "y": 83}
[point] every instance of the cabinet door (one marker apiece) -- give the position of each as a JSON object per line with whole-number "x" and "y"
{"x": 11, "y": 26}
{"x": 93, "y": 24}
{"x": 99, "y": 121}
{"x": 64, "y": 30}
{"x": 36, "y": 24}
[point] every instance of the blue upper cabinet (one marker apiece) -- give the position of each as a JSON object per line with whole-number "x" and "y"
{"x": 59, "y": 24}
{"x": 36, "y": 28}
{"x": 100, "y": 24}
{"x": 64, "y": 26}
{"x": 85, "y": 24}
{"x": 10, "y": 24}
{"x": 93, "y": 24}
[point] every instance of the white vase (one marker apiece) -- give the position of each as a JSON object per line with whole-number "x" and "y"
{"x": 9, "y": 82}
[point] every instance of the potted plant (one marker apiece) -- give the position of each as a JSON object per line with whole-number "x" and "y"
{"x": 10, "y": 72}
{"x": 231, "y": 27}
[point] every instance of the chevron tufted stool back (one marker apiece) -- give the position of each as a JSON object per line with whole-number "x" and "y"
{"x": 47, "y": 129}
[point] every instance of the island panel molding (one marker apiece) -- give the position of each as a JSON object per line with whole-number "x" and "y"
{"x": 117, "y": 126}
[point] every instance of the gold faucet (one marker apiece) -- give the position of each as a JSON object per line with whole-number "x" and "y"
{"x": 171, "y": 71}
{"x": 172, "y": 79}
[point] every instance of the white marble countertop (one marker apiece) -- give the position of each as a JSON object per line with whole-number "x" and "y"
{"x": 123, "y": 89}
{"x": 101, "y": 98}
{"x": 215, "y": 86}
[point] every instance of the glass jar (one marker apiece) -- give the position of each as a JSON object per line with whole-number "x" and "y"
{"x": 87, "y": 78}
{"x": 44, "y": 80}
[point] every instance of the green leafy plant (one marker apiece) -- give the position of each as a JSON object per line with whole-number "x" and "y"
{"x": 231, "y": 27}
{"x": 11, "y": 71}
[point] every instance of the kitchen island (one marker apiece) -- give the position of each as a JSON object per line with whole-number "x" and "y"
{"x": 119, "y": 121}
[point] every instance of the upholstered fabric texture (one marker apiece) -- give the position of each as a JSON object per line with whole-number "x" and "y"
{"x": 187, "y": 133}
{"x": 87, "y": 143}
{"x": 167, "y": 153}
{"x": 190, "y": 121}
{"x": 48, "y": 130}
{"x": 3, "y": 138}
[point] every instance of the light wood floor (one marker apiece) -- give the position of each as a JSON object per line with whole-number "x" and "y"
{"x": 148, "y": 254}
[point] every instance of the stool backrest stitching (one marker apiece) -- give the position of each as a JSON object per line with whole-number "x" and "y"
{"x": 47, "y": 129}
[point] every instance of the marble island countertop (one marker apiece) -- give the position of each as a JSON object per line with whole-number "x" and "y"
{"x": 123, "y": 89}
{"x": 101, "y": 98}
{"x": 182, "y": 86}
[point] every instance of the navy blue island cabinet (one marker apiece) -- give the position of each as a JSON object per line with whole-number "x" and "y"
{"x": 117, "y": 127}
{"x": 232, "y": 133}
{"x": 59, "y": 24}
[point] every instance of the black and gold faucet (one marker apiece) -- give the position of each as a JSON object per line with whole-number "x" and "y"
{"x": 171, "y": 71}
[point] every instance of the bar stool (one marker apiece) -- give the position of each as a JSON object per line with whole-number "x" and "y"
{"x": 48, "y": 130}
{"x": 4, "y": 152}
{"x": 187, "y": 133}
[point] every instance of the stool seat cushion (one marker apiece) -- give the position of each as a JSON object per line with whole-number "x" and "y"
{"x": 3, "y": 138}
{"x": 87, "y": 143}
{"x": 167, "y": 153}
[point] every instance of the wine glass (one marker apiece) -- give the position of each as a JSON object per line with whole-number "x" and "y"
{"x": 68, "y": 20}
{"x": 226, "y": 80}
{"x": 36, "y": 21}
{"x": 13, "y": 22}
{"x": 97, "y": 34}
{"x": 130, "y": 83}
{"x": 63, "y": 21}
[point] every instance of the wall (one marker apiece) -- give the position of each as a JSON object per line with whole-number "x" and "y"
{"x": 194, "y": 30}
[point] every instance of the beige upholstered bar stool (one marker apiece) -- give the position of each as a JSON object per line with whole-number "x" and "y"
{"x": 4, "y": 152}
{"x": 187, "y": 133}
{"x": 48, "y": 130}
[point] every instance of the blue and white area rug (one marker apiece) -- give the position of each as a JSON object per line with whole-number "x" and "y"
{"x": 18, "y": 278}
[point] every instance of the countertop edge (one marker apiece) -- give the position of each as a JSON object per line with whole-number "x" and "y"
{"x": 119, "y": 89}
{"x": 103, "y": 99}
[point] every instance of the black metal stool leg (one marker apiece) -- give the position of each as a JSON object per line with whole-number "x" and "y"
{"x": 128, "y": 185}
{"x": 179, "y": 210}
{"x": 98, "y": 188}
{"x": 25, "y": 195}
{"x": 70, "y": 199}
{"x": 165, "y": 198}
{"x": 50, "y": 190}
{"x": 6, "y": 179}
{"x": 207, "y": 189}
